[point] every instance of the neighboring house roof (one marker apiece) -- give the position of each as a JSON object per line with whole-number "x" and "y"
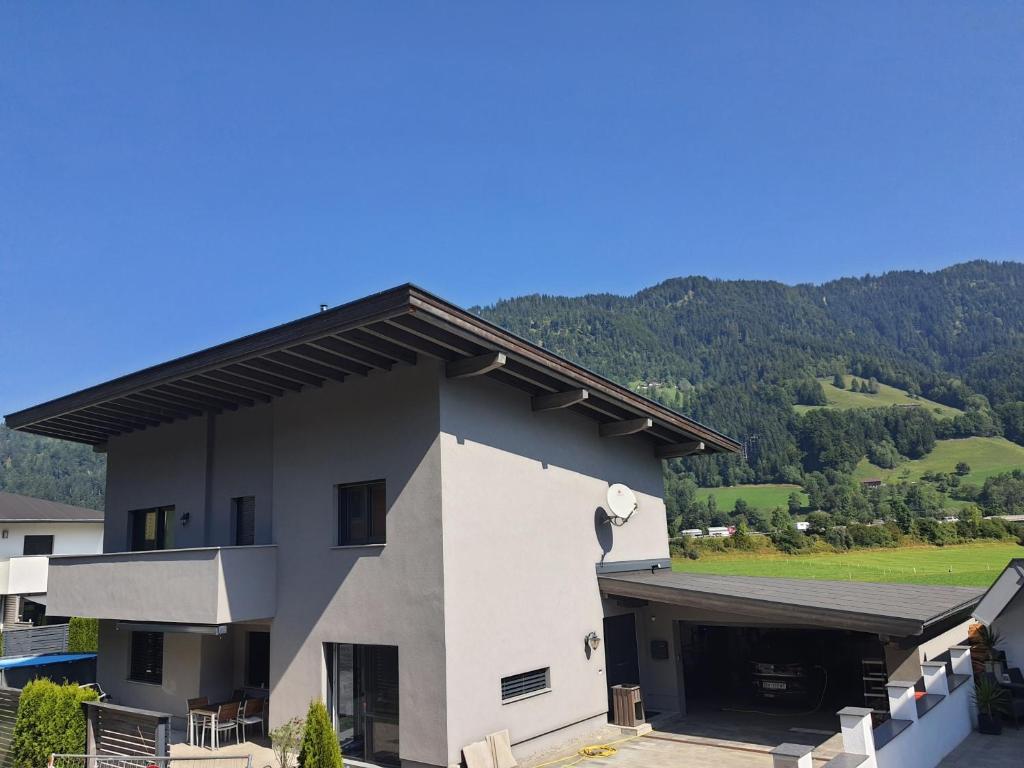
{"x": 15, "y": 508}
{"x": 1002, "y": 591}
{"x": 376, "y": 332}
{"x": 898, "y": 610}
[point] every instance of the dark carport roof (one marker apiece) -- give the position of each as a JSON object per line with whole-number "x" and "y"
{"x": 898, "y": 610}
{"x": 374, "y": 333}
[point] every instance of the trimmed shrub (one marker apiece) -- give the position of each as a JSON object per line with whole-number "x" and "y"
{"x": 319, "y": 743}
{"x": 83, "y": 635}
{"x": 50, "y": 719}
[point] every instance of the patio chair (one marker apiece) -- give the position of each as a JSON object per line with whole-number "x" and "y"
{"x": 99, "y": 690}
{"x": 251, "y": 714}
{"x": 194, "y": 704}
{"x": 1016, "y": 688}
{"x": 225, "y": 720}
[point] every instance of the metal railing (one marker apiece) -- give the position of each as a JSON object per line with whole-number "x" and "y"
{"x": 135, "y": 761}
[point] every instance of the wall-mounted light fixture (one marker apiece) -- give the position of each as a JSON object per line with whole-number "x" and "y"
{"x": 593, "y": 641}
{"x": 5, "y": 534}
{"x": 185, "y": 517}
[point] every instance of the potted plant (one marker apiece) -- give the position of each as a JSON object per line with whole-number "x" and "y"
{"x": 985, "y": 641}
{"x": 991, "y": 699}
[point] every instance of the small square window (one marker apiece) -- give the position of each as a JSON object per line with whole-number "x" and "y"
{"x": 362, "y": 513}
{"x": 38, "y": 545}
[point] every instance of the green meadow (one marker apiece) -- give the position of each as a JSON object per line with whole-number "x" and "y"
{"x": 766, "y": 496}
{"x": 885, "y": 397}
{"x": 965, "y": 565}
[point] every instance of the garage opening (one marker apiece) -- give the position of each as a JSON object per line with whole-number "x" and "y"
{"x": 780, "y": 670}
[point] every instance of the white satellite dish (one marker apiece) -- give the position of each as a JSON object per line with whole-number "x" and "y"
{"x": 621, "y": 504}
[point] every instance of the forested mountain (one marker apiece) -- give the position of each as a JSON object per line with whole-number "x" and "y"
{"x": 51, "y": 469}
{"x": 738, "y": 355}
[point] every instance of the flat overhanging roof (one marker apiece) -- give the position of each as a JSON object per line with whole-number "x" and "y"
{"x": 374, "y": 333}
{"x": 895, "y": 610}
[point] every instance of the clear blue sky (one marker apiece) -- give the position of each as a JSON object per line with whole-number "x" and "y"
{"x": 175, "y": 174}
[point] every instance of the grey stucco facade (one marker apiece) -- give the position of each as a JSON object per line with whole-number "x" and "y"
{"x": 488, "y": 570}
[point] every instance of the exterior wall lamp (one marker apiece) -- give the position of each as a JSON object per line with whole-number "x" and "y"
{"x": 593, "y": 641}
{"x": 185, "y": 517}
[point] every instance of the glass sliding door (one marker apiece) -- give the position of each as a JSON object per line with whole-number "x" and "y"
{"x": 363, "y": 699}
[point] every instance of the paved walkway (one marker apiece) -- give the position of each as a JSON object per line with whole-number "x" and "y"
{"x": 981, "y": 751}
{"x": 715, "y": 740}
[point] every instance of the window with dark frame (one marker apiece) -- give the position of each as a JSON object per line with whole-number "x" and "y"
{"x": 152, "y": 529}
{"x": 362, "y": 513}
{"x": 245, "y": 520}
{"x": 37, "y": 544}
{"x": 147, "y": 658}
{"x": 257, "y": 660}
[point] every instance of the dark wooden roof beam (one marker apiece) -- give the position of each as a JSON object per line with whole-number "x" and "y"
{"x": 475, "y": 366}
{"x": 378, "y": 344}
{"x": 222, "y": 389}
{"x": 306, "y": 366}
{"x": 166, "y": 404}
{"x": 557, "y": 400}
{"x": 243, "y": 383}
{"x": 247, "y": 372}
{"x": 136, "y": 415}
{"x": 432, "y": 332}
{"x": 679, "y": 450}
{"x": 103, "y": 421}
{"x": 353, "y": 353}
{"x": 625, "y": 427}
{"x": 71, "y": 425}
{"x": 320, "y": 355}
{"x": 188, "y": 395}
{"x": 285, "y": 371}
{"x": 59, "y": 433}
{"x": 410, "y": 341}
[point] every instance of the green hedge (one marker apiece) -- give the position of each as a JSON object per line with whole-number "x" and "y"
{"x": 83, "y": 635}
{"x": 319, "y": 743}
{"x": 50, "y": 719}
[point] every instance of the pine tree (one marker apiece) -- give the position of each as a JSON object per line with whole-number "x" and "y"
{"x": 837, "y": 381}
{"x": 319, "y": 743}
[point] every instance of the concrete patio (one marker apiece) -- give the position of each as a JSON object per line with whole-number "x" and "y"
{"x": 981, "y": 751}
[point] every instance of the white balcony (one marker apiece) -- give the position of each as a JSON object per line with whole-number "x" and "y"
{"x": 23, "y": 575}
{"x": 208, "y": 585}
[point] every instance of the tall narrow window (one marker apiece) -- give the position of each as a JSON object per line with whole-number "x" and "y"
{"x": 152, "y": 529}
{"x": 257, "y": 660}
{"x": 245, "y": 520}
{"x": 38, "y": 545}
{"x": 147, "y": 658}
{"x": 362, "y": 513}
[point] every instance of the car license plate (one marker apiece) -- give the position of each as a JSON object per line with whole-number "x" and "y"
{"x": 773, "y": 685}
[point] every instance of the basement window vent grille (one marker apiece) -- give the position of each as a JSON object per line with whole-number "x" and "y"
{"x": 525, "y": 683}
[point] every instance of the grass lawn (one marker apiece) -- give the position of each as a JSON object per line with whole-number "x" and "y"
{"x": 767, "y": 496}
{"x": 887, "y": 396}
{"x": 986, "y": 456}
{"x": 964, "y": 565}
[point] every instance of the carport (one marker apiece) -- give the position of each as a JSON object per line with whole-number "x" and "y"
{"x": 723, "y": 649}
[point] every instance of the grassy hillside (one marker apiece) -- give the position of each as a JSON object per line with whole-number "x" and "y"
{"x": 986, "y": 456}
{"x": 966, "y": 565}
{"x": 885, "y": 397}
{"x": 766, "y": 496}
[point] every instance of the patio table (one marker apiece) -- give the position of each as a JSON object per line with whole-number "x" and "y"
{"x": 207, "y": 712}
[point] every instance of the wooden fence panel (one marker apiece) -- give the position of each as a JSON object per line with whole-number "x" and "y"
{"x": 117, "y": 730}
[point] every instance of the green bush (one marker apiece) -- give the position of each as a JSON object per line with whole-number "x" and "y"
{"x": 50, "y": 719}
{"x": 319, "y": 743}
{"x": 83, "y": 635}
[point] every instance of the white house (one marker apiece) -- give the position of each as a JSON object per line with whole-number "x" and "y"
{"x": 30, "y": 531}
